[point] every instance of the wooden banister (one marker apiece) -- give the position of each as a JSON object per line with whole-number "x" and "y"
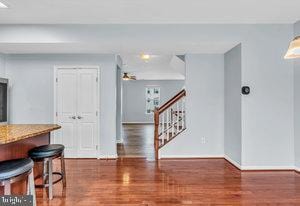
{"x": 165, "y": 131}
{"x": 173, "y": 100}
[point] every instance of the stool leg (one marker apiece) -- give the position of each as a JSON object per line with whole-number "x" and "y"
{"x": 7, "y": 188}
{"x": 31, "y": 187}
{"x": 50, "y": 179}
{"x": 45, "y": 171}
{"x": 63, "y": 170}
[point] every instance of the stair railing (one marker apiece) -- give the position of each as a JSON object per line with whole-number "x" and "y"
{"x": 169, "y": 121}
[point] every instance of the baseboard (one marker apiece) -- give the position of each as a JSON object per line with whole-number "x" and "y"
{"x": 119, "y": 141}
{"x": 107, "y": 157}
{"x": 233, "y": 162}
{"x": 257, "y": 168}
{"x": 137, "y": 122}
{"x": 265, "y": 168}
{"x": 191, "y": 157}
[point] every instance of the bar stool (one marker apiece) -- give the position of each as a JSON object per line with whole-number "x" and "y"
{"x": 46, "y": 154}
{"x": 12, "y": 171}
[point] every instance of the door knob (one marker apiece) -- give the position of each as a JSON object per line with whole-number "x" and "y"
{"x": 79, "y": 117}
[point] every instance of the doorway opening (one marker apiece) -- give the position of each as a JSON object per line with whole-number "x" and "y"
{"x": 145, "y": 83}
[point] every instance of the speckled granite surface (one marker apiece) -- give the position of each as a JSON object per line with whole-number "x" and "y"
{"x": 16, "y": 132}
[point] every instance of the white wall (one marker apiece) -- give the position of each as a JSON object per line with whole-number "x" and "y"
{"x": 32, "y": 91}
{"x": 232, "y": 99}
{"x": 134, "y": 102}
{"x": 297, "y": 102}
{"x": 204, "y": 108}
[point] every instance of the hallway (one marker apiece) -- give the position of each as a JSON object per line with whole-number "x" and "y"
{"x": 137, "y": 141}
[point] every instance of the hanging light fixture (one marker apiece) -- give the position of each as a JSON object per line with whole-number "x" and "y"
{"x": 126, "y": 77}
{"x": 294, "y": 49}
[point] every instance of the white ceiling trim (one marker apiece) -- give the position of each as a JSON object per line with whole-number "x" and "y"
{"x": 150, "y": 12}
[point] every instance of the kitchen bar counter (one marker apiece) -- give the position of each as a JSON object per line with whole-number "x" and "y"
{"x": 17, "y": 139}
{"x": 17, "y": 132}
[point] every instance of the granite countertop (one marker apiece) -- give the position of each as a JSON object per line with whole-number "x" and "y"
{"x": 15, "y": 132}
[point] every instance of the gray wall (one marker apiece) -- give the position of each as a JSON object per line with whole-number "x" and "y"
{"x": 32, "y": 91}
{"x": 267, "y": 114}
{"x": 232, "y": 99}
{"x": 204, "y": 136}
{"x": 119, "y": 82}
{"x": 2, "y": 65}
{"x": 297, "y": 102}
{"x": 134, "y": 102}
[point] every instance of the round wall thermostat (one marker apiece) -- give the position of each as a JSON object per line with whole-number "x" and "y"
{"x": 245, "y": 90}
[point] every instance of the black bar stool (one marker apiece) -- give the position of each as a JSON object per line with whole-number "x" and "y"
{"x": 46, "y": 154}
{"x": 12, "y": 171}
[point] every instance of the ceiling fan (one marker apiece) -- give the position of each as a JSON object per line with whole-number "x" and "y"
{"x": 127, "y": 77}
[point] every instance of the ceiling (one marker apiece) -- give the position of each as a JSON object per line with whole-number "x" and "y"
{"x": 154, "y": 11}
{"x": 158, "y": 67}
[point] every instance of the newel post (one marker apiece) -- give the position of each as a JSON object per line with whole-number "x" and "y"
{"x": 156, "y": 138}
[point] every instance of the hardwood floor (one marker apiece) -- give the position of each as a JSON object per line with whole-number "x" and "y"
{"x": 130, "y": 181}
{"x": 138, "y": 140}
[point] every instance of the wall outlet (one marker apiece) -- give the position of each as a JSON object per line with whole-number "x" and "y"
{"x": 203, "y": 140}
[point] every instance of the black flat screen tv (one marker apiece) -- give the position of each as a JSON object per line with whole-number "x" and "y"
{"x": 3, "y": 101}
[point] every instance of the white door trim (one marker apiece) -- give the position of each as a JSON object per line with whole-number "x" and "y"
{"x": 56, "y": 68}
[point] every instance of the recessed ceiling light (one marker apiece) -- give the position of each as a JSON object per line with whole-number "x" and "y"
{"x": 3, "y": 6}
{"x": 145, "y": 57}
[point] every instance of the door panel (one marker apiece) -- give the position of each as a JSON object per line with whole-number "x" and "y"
{"x": 86, "y": 92}
{"x": 86, "y": 112}
{"x": 86, "y": 130}
{"x": 66, "y": 110}
{"x": 69, "y": 139}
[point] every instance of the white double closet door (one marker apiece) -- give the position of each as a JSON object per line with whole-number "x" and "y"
{"x": 77, "y": 99}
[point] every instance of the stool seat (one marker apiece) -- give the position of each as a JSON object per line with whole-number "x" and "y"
{"x": 13, "y": 168}
{"x": 46, "y": 151}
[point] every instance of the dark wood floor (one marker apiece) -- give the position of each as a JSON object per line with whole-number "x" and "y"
{"x": 138, "y": 141}
{"x": 130, "y": 181}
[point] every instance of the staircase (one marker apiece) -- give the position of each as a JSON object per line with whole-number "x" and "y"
{"x": 169, "y": 121}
